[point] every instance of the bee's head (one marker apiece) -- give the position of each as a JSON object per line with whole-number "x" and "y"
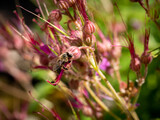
{"x": 69, "y": 55}
{"x": 65, "y": 56}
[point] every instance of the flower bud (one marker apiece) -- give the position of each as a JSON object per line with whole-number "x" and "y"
{"x": 87, "y": 40}
{"x": 76, "y": 42}
{"x": 135, "y": 64}
{"x": 55, "y": 15}
{"x": 89, "y": 28}
{"x": 75, "y": 51}
{"x": 76, "y": 38}
{"x": 146, "y": 58}
{"x": 76, "y": 33}
{"x": 63, "y": 4}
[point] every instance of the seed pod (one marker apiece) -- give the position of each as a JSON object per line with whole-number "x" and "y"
{"x": 75, "y": 51}
{"x": 63, "y": 4}
{"x": 135, "y": 64}
{"x": 88, "y": 28}
{"x": 55, "y": 15}
{"x": 146, "y": 58}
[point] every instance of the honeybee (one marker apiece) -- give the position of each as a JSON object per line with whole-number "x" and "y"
{"x": 60, "y": 62}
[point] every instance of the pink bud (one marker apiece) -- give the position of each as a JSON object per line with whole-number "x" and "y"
{"x": 89, "y": 28}
{"x": 135, "y": 64}
{"x": 146, "y": 58}
{"x": 76, "y": 42}
{"x": 87, "y": 40}
{"x": 76, "y": 38}
{"x": 55, "y": 15}
{"x": 75, "y": 51}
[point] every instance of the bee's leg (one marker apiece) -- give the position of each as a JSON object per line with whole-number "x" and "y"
{"x": 68, "y": 65}
{"x": 52, "y": 81}
{"x": 65, "y": 68}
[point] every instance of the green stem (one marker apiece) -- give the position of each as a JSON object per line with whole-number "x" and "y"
{"x": 103, "y": 88}
{"x": 117, "y": 97}
{"x": 100, "y": 102}
{"x": 44, "y": 21}
{"x": 92, "y": 61}
{"x": 136, "y": 98}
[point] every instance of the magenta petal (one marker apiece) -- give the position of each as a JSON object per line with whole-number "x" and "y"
{"x": 76, "y": 105}
{"x": 58, "y": 78}
{"x": 78, "y": 101}
{"x": 47, "y": 50}
{"x": 104, "y": 64}
{"x": 44, "y": 50}
{"x": 85, "y": 93}
{"x": 33, "y": 41}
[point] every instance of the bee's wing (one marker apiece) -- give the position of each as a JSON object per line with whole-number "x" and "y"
{"x": 57, "y": 65}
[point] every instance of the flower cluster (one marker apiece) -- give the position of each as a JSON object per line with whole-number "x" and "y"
{"x": 75, "y": 54}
